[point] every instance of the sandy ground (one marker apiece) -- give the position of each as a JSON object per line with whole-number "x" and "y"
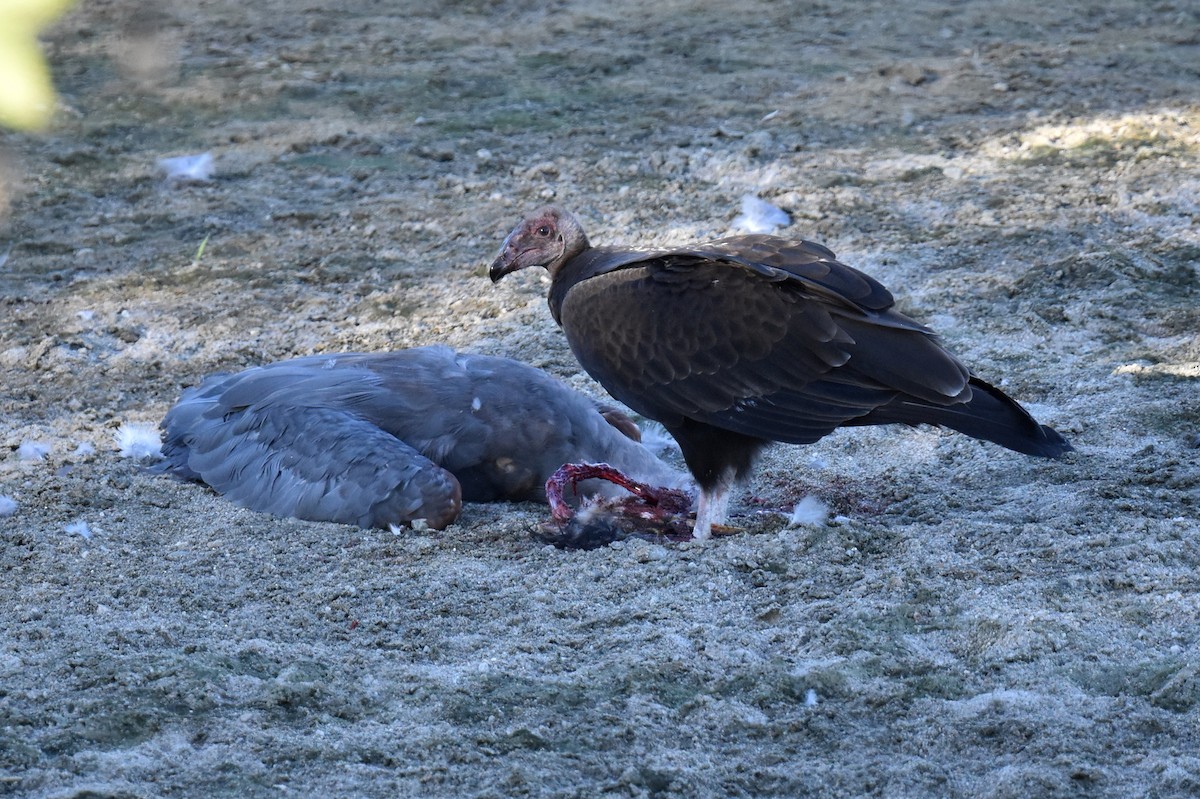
{"x": 1024, "y": 176}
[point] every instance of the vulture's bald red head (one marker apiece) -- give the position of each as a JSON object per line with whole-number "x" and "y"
{"x": 548, "y": 238}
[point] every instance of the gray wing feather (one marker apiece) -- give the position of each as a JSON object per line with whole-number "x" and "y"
{"x": 315, "y": 463}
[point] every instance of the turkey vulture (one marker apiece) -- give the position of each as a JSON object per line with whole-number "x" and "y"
{"x": 738, "y": 342}
{"x": 389, "y": 438}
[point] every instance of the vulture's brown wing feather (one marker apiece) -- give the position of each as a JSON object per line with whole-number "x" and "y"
{"x": 775, "y": 341}
{"x": 804, "y": 261}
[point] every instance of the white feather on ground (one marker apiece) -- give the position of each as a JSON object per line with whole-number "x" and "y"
{"x": 33, "y": 450}
{"x": 79, "y": 528}
{"x": 197, "y": 167}
{"x": 759, "y": 216}
{"x": 138, "y": 441}
{"x": 8, "y": 505}
{"x": 809, "y": 511}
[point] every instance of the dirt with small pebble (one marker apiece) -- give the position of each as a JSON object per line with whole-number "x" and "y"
{"x": 971, "y": 623}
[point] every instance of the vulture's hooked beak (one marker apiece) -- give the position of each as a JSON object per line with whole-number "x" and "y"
{"x": 507, "y": 261}
{"x": 501, "y": 267}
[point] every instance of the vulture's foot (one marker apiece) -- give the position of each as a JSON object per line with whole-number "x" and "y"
{"x": 653, "y": 513}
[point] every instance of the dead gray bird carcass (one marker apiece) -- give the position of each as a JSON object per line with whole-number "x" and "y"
{"x": 380, "y": 439}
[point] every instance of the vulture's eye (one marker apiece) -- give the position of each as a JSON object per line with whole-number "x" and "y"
{"x": 544, "y": 231}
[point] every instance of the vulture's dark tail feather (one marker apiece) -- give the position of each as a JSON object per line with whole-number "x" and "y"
{"x": 990, "y": 415}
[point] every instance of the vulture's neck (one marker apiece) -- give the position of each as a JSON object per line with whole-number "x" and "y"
{"x": 590, "y": 262}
